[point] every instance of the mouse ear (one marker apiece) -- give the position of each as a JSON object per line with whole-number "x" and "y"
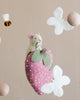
{"x": 30, "y": 36}
{"x": 38, "y": 33}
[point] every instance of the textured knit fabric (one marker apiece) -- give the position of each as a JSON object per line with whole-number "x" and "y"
{"x": 37, "y": 73}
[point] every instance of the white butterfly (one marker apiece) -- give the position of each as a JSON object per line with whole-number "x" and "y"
{"x": 56, "y": 85}
{"x": 58, "y": 22}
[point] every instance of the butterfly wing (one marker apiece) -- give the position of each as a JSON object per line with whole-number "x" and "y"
{"x": 67, "y": 26}
{"x": 58, "y": 29}
{"x": 56, "y": 20}
{"x": 51, "y": 21}
{"x": 65, "y": 80}
{"x": 58, "y": 92}
{"x": 47, "y": 88}
{"x": 58, "y": 13}
{"x": 57, "y": 72}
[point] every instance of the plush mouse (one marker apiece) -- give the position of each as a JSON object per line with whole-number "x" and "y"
{"x": 35, "y": 42}
{"x": 38, "y": 63}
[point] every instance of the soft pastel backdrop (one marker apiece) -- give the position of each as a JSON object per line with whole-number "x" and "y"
{"x": 30, "y": 16}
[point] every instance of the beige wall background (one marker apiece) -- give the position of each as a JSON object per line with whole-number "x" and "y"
{"x": 30, "y": 16}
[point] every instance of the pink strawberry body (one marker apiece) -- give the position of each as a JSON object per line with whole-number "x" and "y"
{"x": 37, "y": 73}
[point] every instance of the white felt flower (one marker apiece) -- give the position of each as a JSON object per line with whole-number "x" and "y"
{"x": 56, "y": 85}
{"x": 59, "y": 22}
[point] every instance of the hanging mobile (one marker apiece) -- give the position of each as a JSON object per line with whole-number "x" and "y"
{"x": 43, "y": 76}
{"x": 6, "y": 19}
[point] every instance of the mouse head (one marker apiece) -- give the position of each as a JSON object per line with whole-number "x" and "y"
{"x": 35, "y": 39}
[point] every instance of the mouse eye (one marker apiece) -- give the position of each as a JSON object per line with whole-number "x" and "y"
{"x": 35, "y": 38}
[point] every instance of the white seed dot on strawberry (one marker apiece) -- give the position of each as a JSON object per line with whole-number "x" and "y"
{"x": 39, "y": 82}
{"x": 31, "y": 65}
{"x": 26, "y": 65}
{"x": 38, "y": 88}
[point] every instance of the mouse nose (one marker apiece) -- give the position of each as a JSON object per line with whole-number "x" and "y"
{"x": 39, "y": 40}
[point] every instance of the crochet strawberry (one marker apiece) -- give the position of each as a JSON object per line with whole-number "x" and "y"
{"x": 38, "y": 67}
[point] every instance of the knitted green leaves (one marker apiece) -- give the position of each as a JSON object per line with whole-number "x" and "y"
{"x": 41, "y": 55}
{"x": 36, "y": 57}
